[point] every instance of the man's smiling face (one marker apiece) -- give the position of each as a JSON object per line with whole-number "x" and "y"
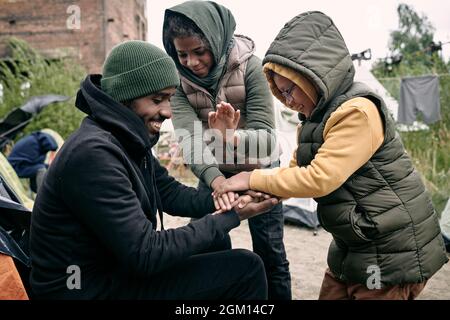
{"x": 154, "y": 109}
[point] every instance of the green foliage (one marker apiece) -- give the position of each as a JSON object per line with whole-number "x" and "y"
{"x": 45, "y": 77}
{"x": 415, "y": 34}
{"x": 412, "y": 41}
{"x": 430, "y": 150}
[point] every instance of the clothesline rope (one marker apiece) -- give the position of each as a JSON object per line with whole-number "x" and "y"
{"x": 399, "y": 78}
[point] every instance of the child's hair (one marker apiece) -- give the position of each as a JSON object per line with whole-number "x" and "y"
{"x": 179, "y": 26}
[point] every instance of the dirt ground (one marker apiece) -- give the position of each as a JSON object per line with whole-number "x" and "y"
{"x": 307, "y": 256}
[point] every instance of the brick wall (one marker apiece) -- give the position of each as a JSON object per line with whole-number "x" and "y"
{"x": 43, "y": 23}
{"x": 124, "y": 22}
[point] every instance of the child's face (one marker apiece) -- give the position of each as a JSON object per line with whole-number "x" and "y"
{"x": 297, "y": 99}
{"x": 194, "y": 55}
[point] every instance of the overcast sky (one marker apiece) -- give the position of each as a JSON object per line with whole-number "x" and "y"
{"x": 363, "y": 24}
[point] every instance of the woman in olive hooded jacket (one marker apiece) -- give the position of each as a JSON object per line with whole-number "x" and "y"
{"x": 386, "y": 237}
{"x": 218, "y": 71}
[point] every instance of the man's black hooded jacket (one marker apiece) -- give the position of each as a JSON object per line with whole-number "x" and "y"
{"x": 96, "y": 209}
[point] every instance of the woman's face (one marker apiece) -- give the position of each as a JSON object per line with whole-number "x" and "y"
{"x": 194, "y": 55}
{"x": 296, "y": 98}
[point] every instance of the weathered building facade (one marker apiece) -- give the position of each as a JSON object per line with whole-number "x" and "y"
{"x": 83, "y": 29}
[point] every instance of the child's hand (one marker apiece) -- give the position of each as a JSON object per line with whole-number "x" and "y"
{"x": 239, "y": 182}
{"x": 224, "y": 201}
{"x": 245, "y": 199}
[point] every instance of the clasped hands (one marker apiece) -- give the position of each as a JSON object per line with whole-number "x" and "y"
{"x": 249, "y": 203}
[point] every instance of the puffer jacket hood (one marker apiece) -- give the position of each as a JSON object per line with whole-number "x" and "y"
{"x": 311, "y": 44}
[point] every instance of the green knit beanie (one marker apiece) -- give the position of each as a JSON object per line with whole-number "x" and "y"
{"x": 135, "y": 69}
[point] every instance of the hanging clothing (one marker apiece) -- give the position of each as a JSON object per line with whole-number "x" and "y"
{"x": 419, "y": 94}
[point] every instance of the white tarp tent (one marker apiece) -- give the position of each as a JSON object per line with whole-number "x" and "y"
{"x": 167, "y": 126}
{"x": 297, "y": 210}
{"x": 363, "y": 74}
{"x": 166, "y": 137}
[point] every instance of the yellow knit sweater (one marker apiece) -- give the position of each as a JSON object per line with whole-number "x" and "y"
{"x": 352, "y": 135}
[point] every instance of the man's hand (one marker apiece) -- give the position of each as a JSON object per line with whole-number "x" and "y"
{"x": 225, "y": 200}
{"x": 253, "y": 206}
{"x": 238, "y": 182}
{"x": 225, "y": 119}
{"x": 246, "y": 198}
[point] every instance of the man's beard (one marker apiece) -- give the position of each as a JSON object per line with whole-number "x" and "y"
{"x": 154, "y": 137}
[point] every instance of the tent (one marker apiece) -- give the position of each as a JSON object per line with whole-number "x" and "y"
{"x": 14, "y": 255}
{"x": 14, "y": 222}
{"x": 363, "y": 74}
{"x": 9, "y": 176}
{"x": 15, "y": 264}
{"x": 300, "y": 211}
{"x": 166, "y": 138}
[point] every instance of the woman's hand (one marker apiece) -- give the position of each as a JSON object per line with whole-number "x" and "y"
{"x": 225, "y": 119}
{"x": 238, "y": 182}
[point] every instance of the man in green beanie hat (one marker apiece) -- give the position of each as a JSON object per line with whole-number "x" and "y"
{"x": 93, "y": 230}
